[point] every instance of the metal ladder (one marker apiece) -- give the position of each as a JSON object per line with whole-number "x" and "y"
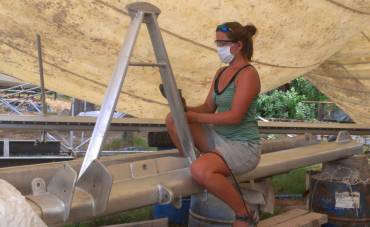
{"x": 140, "y": 13}
{"x": 93, "y": 177}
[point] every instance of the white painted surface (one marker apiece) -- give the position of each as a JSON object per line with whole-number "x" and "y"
{"x": 14, "y": 209}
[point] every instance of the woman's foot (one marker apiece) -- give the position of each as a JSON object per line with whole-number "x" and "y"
{"x": 249, "y": 219}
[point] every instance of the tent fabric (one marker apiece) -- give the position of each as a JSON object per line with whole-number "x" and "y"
{"x": 81, "y": 41}
{"x": 345, "y": 78}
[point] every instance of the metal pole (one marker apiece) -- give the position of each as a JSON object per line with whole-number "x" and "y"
{"x": 82, "y": 144}
{"x": 41, "y": 71}
{"x": 10, "y": 106}
{"x": 71, "y": 134}
{"x": 83, "y": 132}
{"x": 112, "y": 94}
{"x": 173, "y": 96}
{"x": 146, "y": 64}
{"x": 6, "y": 152}
{"x": 14, "y": 87}
{"x": 18, "y": 92}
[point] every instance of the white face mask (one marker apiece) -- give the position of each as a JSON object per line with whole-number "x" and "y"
{"x": 225, "y": 55}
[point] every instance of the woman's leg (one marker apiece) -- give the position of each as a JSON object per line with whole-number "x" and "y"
{"x": 197, "y": 132}
{"x": 210, "y": 171}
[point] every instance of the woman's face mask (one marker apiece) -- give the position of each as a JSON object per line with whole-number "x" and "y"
{"x": 225, "y": 55}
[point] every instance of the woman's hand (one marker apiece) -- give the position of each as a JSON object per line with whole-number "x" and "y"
{"x": 192, "y": 117}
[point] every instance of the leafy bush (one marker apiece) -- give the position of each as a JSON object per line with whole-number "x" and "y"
{"x": 304, "y": 87}
{"x": 305, "y": 111}
{"x": 289, "y": 104}
{"x": 280, "y": 104}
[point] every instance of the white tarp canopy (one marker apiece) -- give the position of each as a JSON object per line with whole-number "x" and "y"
{"x": 81, "y": 40}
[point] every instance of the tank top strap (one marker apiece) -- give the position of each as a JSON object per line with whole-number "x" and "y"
{"x": 215, "y": 87}
{"x": 237, "y": 73}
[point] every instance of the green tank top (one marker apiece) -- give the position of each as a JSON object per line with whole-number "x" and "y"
{"x": 247, "y": 130}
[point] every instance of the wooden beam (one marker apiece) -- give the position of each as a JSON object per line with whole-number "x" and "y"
{"x": 295, "y": 218}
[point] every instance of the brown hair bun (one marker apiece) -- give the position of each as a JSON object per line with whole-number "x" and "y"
{"x": 251, "y": 29}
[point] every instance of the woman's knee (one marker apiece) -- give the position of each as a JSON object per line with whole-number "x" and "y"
{"x": 197, "y": 172}
{"x": 200, "y": 172}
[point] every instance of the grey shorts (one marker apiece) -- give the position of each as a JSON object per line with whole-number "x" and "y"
{"x": 240, "y": 156}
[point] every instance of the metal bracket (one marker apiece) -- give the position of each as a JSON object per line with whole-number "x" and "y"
{"x": 144, "y": 7}
{"x": 38, "y": 186}
{"x": 165, "y": 195}
{"x": 97, "y": 182}
{"x": 55, "y": 198}
{"x": 343, "y": 137}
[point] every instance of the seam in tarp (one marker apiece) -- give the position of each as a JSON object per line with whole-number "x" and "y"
{"x": 348, "y": 8}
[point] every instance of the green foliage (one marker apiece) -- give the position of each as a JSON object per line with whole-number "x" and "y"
{"x": 290, "y": 104}
{"x": 305, "y": 111}
{"x": 366, "y": 150}
{"x": 140, "y": 142}
{"x": 115, "y": 144}
{"x": 290, "y": 183}
{"x": 127, "y": 140}
{"x": 304, "y": 87}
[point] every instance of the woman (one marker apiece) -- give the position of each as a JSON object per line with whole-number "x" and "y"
{"x": 224, "y": 127}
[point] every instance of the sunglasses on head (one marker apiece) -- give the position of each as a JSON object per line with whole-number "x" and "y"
{"x": 223, "y": 28}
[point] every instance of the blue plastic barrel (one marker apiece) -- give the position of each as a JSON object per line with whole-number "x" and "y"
{"x": 174, "y": 215}
{"x": 209, "y": 211}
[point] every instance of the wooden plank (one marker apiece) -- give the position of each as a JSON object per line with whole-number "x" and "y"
{"x": 308, "y": 220}
{"x": 282, "y": 218}
{"x": 162, "y": 222}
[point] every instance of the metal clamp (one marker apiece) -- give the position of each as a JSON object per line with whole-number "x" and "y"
{"x": 97, "y": 182}
{"x": 55, "y": 198}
